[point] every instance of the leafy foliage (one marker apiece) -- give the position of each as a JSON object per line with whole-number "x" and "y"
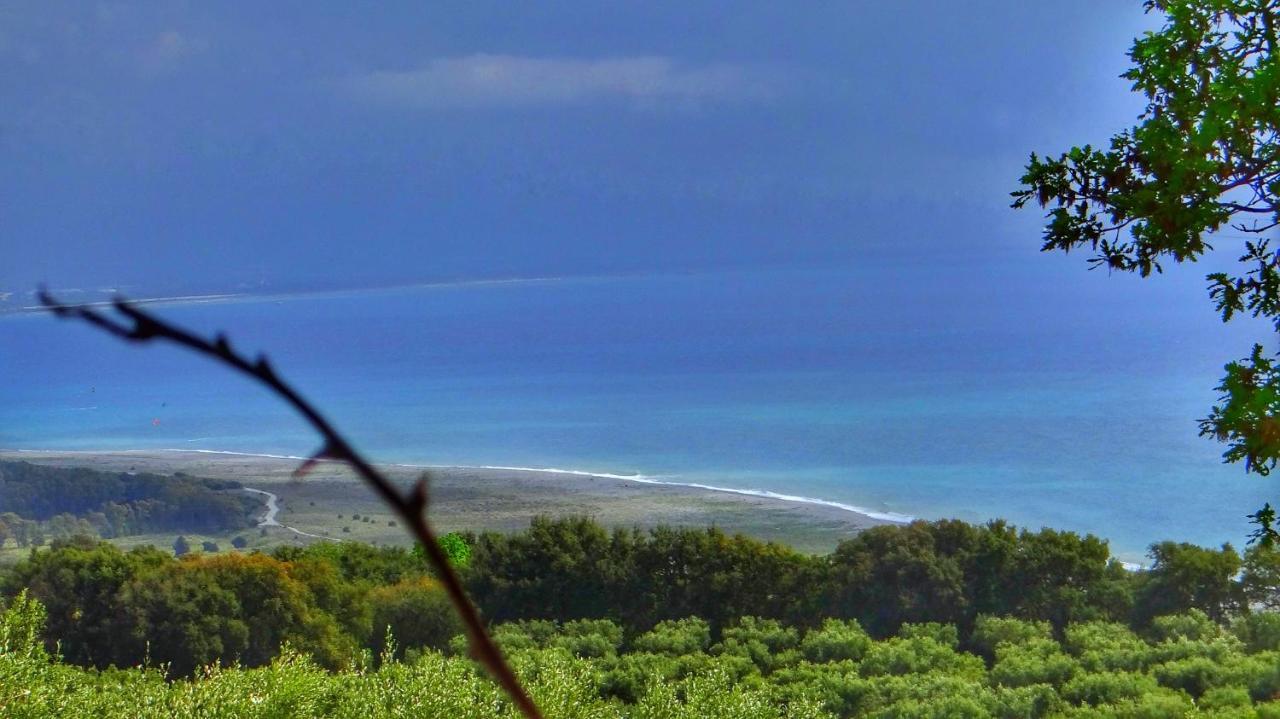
{"x": 1205, "y": 155}
{"x": 589, "y": 670}
{"x": 334, "y": 629}
{"x": 456, "y": 546}
{"x": 62, "y": 502}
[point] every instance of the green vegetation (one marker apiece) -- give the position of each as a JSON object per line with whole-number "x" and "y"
{"x": 947, "y": 571}
{"x": 1186, "y": 665}
{"x": 927, "y": 619}
{"x": 1205, "y": 156}
{"x": 42, "y": 502}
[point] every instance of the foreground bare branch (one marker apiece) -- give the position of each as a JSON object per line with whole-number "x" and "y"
{"x": 136, "y": 325}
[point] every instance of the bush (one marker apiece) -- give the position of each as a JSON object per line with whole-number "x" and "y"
{"x": 1109, "y": 688}
{"x": 836, "y": 640}
{"x": 766, "y": 642}
{"x": 675, "y": 637}
{"x": 990, "y": 632}
{"x": 1194, "y": 675}
{"x": 1038, "y": 661}
{"x": 590, "y": 638}
{"x": 920, "y": 655}
{"x": 1105, "y": 646}
{"x": 1194, "y": 625}
{"x": 1225, "y": 697}
{"x": 940, "y": 633}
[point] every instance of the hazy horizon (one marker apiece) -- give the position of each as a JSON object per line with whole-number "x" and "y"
{"x": 183, "y": 149}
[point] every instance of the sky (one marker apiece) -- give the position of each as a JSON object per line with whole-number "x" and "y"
{"x": 236, "y": 146}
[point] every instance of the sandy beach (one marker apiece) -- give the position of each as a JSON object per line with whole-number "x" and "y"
{"x": 464, "y": 498}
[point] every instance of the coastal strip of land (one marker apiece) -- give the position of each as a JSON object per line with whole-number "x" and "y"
{"x": 332, "y": 503}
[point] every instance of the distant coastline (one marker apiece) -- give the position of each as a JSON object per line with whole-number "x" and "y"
{"x": 892, "y": 517}
{"x": 503, "y": 497}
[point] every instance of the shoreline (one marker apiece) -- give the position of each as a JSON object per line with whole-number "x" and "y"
{"x": 891, "y": 517}
{"x": 888, "y": 517}
{"x": 493, "y": 497}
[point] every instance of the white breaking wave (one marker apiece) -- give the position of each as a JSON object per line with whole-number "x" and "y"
{"x": 874, "y": 514}
{"x": 220, "y": 451}
{"x": 640, "y": 478}
{"x": 647, "y": 479}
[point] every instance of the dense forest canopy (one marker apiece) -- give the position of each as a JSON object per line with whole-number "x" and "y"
{"x": 108, "y": 607}
{"x": 38, "y": 500}
{"x": 902, "y": 621}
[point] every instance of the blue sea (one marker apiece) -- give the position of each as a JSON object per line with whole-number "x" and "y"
{"x": 1066, "y": 404}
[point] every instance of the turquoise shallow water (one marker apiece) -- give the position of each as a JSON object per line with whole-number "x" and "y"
{"x": 935, "y": 399}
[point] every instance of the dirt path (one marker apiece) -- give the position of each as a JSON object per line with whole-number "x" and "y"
{"x": 272, "y": 502}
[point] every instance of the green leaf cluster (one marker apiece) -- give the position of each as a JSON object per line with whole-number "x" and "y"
{"x": 1204, "y": 157}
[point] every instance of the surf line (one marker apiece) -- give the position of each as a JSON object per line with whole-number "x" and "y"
{"x": 272, "y": 502}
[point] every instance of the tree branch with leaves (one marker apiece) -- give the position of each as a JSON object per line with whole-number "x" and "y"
{"x": 1204, "y": 157}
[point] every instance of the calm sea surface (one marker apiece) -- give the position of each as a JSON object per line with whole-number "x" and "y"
{"x": 1042, "y": 405}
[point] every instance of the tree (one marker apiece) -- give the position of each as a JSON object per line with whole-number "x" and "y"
{"x": 415, "y": 613}
{"x": 209, "y": 546}
{"x": 1184, "y": 577}
{"x": 16, "y": 527}
{"x": 78, "y": 581}
{"x": 1205, "y": 156}
{"x": 181, "y": 546}
{"x": 1260, "y": 578}
{"x": 231, "y": 607}
{"x": 239, "y": 542}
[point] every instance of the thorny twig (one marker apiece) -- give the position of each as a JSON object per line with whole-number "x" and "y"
{"x": 139, "y": 326}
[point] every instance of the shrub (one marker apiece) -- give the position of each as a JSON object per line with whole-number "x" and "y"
{"x": 836, "y": 640}
{"x": 941, "y": 633}
{"x": 1224, "y": 697}
{"x": 590, "y": 638}
{"x": 1194, "y": 675}
{"x": 919, "y": 655}
{"x": 990, "y": 632}
{"x": 766, "y": 642}
{"x": 1193, "y": 625}
{"x": 1039, "y": 661}
{"x": 1108, "y": 688}
{"x": 1105, "y": 646}
{"x": 675, "y": 637}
